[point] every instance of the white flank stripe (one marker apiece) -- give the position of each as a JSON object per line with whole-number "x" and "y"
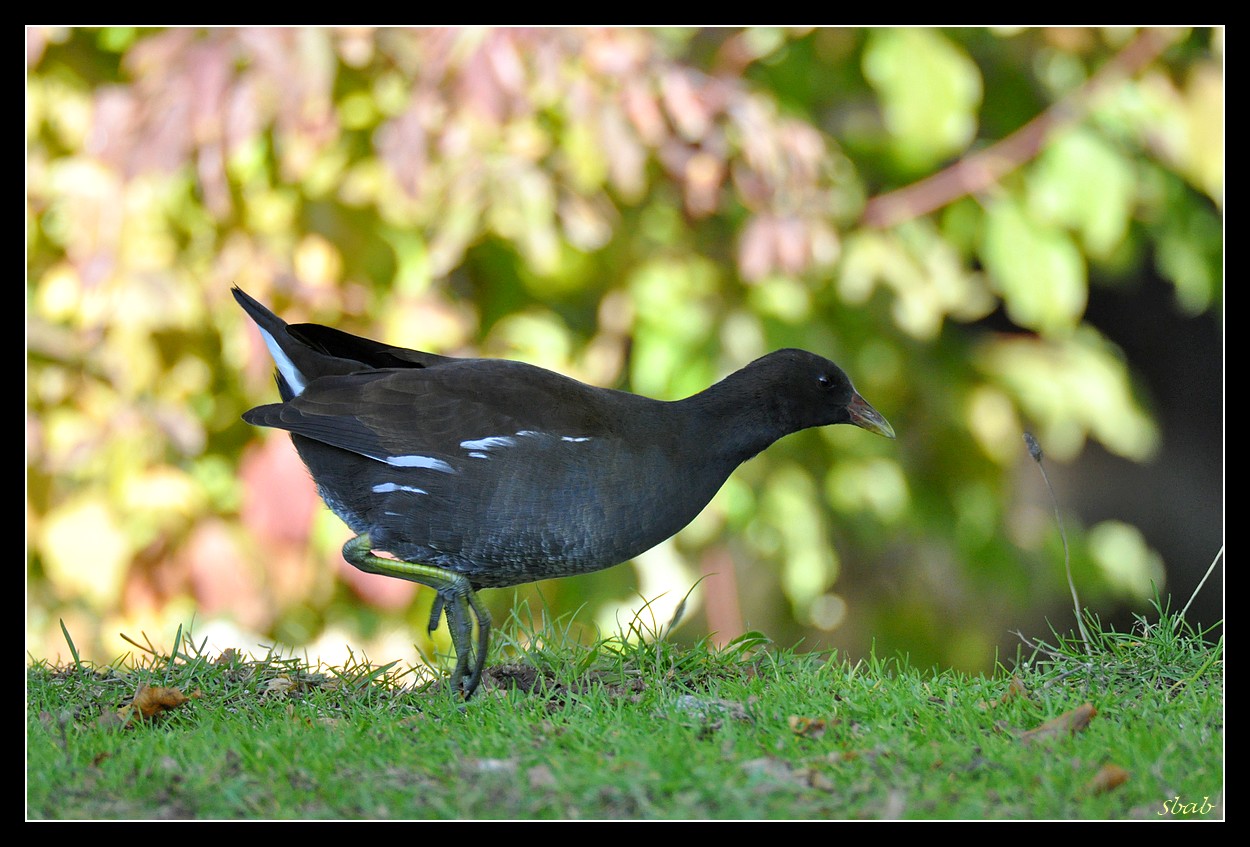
{"x": 488, "y": 443}
{"x": 419, "y": 462}
{"x": 387, "y": 487}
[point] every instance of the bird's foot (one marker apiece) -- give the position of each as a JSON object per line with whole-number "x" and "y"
{"x": 455, "y": 597}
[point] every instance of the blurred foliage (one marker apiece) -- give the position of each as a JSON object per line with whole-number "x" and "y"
{"x": 645, "y": 209}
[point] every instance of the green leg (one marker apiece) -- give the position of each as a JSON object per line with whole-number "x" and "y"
{"x": 455, "y": 597}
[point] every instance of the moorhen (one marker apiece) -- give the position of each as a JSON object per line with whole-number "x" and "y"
{"x": 483, "y": 473}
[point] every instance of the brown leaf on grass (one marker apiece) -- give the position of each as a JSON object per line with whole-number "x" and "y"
{"x": 154, "y": 700}
{"x": 808, "y": 727}
{"x": 837, "y": 756}
{"x": 1109, "y": 776}
{"x": 1015, "y": 689}
{"x": 1066, "y": 724}
{"x": 151, "y": 701}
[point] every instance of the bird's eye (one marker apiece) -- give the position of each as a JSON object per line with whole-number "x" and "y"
{"x": 825, "y": 380}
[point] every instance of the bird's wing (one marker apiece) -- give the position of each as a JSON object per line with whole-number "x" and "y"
{"x": 408, "y": 416}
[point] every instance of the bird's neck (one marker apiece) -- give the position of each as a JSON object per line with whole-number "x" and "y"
{"x": 732, "y": 420}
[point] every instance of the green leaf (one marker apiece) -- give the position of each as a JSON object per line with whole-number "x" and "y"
{"x": 1072, "y": 389}
{"x": 1084, "y": 184}
{"x": 930, "y": 92}
{"x": 1037, "y": 269}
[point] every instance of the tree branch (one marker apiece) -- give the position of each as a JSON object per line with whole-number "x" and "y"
{"x": 979, "y": 171}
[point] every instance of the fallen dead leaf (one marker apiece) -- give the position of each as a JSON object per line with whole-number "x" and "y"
{"x": 1066, "y": 724}
{"x": 151, "y": 701}
{"x": 1109, "y": 776}
{"x": 808, "y": 727}
{"x": 155, "y": 700}
{"x": 1015, "y": 689}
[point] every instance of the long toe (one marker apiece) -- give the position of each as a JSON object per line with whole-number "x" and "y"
{"x": 483, "y": 644}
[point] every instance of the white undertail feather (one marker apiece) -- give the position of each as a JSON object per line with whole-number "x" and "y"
{"x": 286, "y": 367}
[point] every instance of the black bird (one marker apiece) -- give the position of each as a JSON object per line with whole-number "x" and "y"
{"x": 483, "y": 473}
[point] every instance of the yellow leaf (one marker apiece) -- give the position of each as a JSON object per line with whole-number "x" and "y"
{"x": 85, "y": 551}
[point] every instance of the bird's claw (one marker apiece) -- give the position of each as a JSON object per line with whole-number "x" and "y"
{"x": 454, "y": 596}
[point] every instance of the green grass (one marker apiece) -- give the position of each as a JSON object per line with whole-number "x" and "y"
{"x": 640, "y": 729}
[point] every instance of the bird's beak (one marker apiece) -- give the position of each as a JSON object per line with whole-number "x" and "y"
{"x": 866, "y": 417}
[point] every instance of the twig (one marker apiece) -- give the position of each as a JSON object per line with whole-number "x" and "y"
{"x": 977, "y": 172}
{"x": 1035, "y": 450}
{"x": 1202, "y": 582}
